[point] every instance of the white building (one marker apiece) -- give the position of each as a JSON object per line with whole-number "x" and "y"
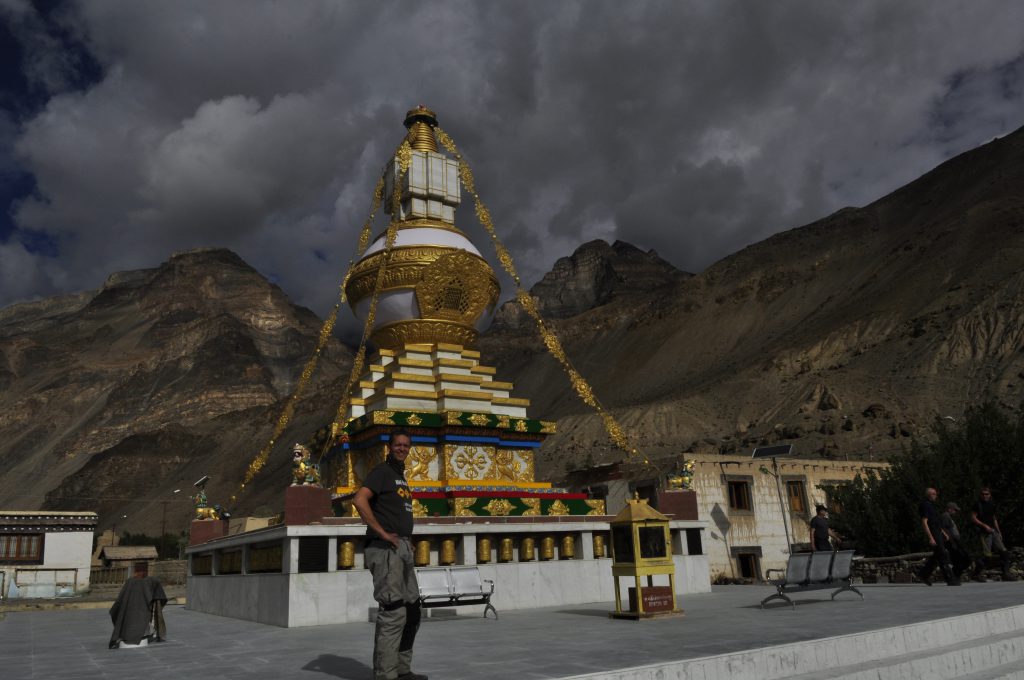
{"x": 45, "y": 553}
{"x": 738, "y": 499}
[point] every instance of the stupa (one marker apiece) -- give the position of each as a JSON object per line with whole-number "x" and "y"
{"x": 474, "y": 445}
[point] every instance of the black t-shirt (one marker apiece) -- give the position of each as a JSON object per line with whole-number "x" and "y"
{"x": 392, "y": 501}
{"x": 820, "y": 526}
{"x": 986, "y": 512}
{"x": 928, "y": 511}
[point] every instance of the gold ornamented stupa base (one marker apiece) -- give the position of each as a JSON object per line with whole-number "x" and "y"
{"x": 473, "y": 445}
{"x": 419, "y": 331}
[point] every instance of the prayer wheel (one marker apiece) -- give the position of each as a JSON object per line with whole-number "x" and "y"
{"x": 505, "y": 550}
{"x": 568, "y": 551}
{"x": 422, "y": 557}
{"x": 598, "y": 545}
{"x": 526, "y": 549}
{"x": 346, "y": 554}
{"x": 483, "y": 550}
{"x": 448, "y": 551}
{"x": 547, "y": 548}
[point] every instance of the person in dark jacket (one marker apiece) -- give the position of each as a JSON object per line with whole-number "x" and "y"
{"x": 137, "y": 613}
{"x": 984, "y": 517}
{"x": 820, "y": 531}
{"x": 932, "y": 524}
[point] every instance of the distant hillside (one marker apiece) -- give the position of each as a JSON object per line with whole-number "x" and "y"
{"x": 161, "y": 377}
{"x": 845, "y": 337}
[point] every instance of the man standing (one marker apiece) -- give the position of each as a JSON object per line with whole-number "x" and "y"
{"x": 820, "y": 531}
{"x": 385, "y": 504}
{"x": 932, "y": 524}
{"x": 984, "y": 517}
{"x": 959, "y": 559}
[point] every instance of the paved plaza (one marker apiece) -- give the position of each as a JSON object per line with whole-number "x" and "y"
{"x": 556, "y": 642}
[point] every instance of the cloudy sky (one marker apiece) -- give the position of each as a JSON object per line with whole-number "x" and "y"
{"x": 131, "y": 130}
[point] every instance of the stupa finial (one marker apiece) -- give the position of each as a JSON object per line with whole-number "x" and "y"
{"x": 421, "y": 122}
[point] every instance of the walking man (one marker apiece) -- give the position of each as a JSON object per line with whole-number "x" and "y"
{"x": 385, "y": 504}
{"x": 984, "y": 517}
{"x": 820, "y": 531}
{"x": 958, "y": 557}
{"x": 932, "y": 524}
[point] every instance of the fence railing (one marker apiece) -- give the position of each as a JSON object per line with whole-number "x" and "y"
{"x": 108, "y": 576}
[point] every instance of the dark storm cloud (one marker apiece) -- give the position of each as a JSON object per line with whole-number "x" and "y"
{"x": 691, "y": 128}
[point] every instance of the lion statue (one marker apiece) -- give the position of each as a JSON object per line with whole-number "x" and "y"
{"x": 304, "y": 471}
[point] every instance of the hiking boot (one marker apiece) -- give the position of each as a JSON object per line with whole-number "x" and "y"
{"x": 412, "y": 676}
{"x": 927, "y": 580}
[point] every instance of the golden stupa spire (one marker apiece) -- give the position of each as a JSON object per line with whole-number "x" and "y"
{"x": 421, "y": 122}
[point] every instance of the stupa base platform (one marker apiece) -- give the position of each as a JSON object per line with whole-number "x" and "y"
{"x": 312, "y": 575}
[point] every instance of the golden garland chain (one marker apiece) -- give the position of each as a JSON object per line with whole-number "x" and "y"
{"x": 404, "y": 156}
{"x": 551, "y": 341}
{"x": 326, "y": 330}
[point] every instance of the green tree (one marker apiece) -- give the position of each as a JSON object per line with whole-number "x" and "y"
{"x": 984, "y": 448}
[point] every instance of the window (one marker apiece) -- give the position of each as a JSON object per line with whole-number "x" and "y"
{"x": 693, "y": 543}
{"x": 21, "y": 548}
{"x": 739, "y": 496}
{"x": 797, "y": 496}
{"x": 747, "y": 564}
{"x": 748, "y": 560}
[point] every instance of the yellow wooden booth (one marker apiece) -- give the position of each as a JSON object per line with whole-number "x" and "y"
{"x": 642, "y": 546}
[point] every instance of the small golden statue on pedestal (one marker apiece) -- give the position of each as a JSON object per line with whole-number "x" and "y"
{"x": 683, "y": 479}
{"x": 202, "y": 507}
{"x": 304, "y": 472}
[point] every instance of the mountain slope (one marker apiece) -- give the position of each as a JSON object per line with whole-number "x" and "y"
{"x": 183, "y": 367}
{"x": 852, "y": 332}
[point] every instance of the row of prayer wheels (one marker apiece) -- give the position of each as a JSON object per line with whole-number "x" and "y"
{"x": 505, "y": 550}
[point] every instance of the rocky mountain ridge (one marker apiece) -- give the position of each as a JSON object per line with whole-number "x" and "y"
{"x": 845, "y": 337}
{"x": 160, "y": 377}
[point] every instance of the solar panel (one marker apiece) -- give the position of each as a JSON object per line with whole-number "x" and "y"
{"x": 777, "y": 451}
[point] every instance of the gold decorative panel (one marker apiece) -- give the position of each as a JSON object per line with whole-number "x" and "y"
{"x": 597, "y": 507}
{"x": 498, "y": 506}
{"x": 532, "y": 507}
{"x": 467, "y": 461}
{"x": 418, "y": 509}
{"x": 558, "y": 508}
{"x": 461, "y": 507}
{"x": 457, "y": 286}
{"x": 418, "y": 464}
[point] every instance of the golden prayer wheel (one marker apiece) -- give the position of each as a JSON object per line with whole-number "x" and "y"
{"x": 422, "y": 553}
{"x": 505, "y": 550}
{"x": 526, "y": 549}
{"x": 598, "y": 545}
{"x": 547, "y": 548}
{"x": 483, "y": 550}
{"x": 346, "y": 554}
{"x": 568, "y": 551}
{"x": 448, "y": 551}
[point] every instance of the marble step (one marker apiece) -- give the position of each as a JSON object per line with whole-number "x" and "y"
{"x": 988, "y": 658}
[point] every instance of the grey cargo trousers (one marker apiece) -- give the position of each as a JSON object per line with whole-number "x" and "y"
{"x": 398, "y": 613}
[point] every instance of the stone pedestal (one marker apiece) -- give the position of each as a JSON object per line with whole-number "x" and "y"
{"x": 306, "y": 505}
{"x": 203, "y": 530}
{"x": 682, "y": 503}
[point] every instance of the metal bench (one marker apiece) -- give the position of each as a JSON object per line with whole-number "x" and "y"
{"x": 813, "y": 571}
{"x": 454, "y": 587}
